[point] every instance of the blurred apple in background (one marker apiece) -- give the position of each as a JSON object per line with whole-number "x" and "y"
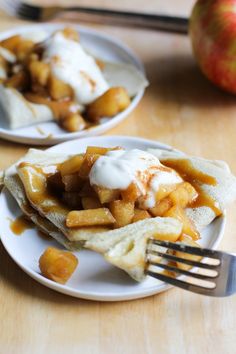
{"x": 213, "y": 33}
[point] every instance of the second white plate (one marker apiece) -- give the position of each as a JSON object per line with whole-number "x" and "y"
{"x": 94, "y": 278}
{"x": 100, "y": 45}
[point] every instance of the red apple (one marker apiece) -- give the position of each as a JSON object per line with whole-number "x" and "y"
{"x": 213, "y": 33}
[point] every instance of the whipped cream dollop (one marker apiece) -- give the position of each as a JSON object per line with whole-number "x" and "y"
{"x": 117, "y": 169}
{"x": 71, "y": 64}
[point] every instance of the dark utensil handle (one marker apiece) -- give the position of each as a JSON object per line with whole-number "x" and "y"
{"x": 134, "y": 19}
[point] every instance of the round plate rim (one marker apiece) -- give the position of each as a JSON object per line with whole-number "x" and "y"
{"x": 11, "y": 135}
{"x": 155, "y": 289}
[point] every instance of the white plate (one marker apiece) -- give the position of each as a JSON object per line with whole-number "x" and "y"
{"x": 94, "y": 279}
{"x": 101, "y": 46}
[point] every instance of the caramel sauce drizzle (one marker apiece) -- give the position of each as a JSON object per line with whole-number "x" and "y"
{"x": 60, "y": 109}
{"x": 89, "y": 79}
{"x": 190, "y": 174}
{"x": 40, "y": 131}
{"x": 20, "y": 224}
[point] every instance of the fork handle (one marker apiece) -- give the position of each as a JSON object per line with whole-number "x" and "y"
{"x": 133, "y": 19}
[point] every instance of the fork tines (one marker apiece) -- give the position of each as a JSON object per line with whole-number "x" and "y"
{"x": 178, "y": 246}
{"x": 160, "y": 256}
{"x": 22, "y": 10}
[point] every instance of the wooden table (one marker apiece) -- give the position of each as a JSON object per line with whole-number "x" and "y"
{"x": 181, "y": 108}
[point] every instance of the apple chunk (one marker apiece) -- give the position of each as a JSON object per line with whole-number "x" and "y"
{"x": 183, "y": 195}
{"x": 161, "y": 207}
{"x": 140, "y": 215}
{"x": 188, "y": 227}
{"x": 106, "y": 195}
{"x": 57, "y": 265}
{"x": 122, "y": 211}
{"x": 71, "y": 165}
{"x": 89, "y": 217}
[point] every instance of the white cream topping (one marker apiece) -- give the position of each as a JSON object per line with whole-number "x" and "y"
{"x": 158, "y": 179}
{"x": 119, "y": 168}
{"x": 71, "y": 64}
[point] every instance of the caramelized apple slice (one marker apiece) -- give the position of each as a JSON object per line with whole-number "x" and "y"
{"x": 183, "y": 195}
{"x": 11, "y": 43}
{"x": 172, "y": 237}
{"x": 58, "y": 89}
{"x": 100, "y": 150}
{"x": 122, "y": 211}
{"x": 113, "y": 101}
{"x": 97, "y": 150}
{"x": 188, "y": 227}
{"x": 161, "y": 207}
{"x": 106, "y": 195}
{"x": 87, "y": 164}
{"x": 23, "y": 49}
{"x": 90, "y": 217}
{"x": 131, "y": 194}
{"x": 39, "y": 72}
{"x": 164, "y": 190}
{"x": 140, "y": 214}
{"x": 72, "y": 122}
{"x": 71, "y": 165}
{"x": 57, "y": 265}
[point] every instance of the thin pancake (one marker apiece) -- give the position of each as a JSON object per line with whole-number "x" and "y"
{"x": 221, "y": 193}
{"x": 13, "y": 183}
{"x": 126, "y": 247}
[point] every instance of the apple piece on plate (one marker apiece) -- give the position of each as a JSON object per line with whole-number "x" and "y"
{"x": 57, "y": 265}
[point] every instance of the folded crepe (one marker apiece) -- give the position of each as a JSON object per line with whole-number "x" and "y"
{"x": 12, "y": 182}
{"x": 124, "y": 247}
{"x": 222, "y": 192}
{"x": 17, "y": 112}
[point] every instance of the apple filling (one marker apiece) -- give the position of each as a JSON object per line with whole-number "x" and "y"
{"x": 112, "y": 187}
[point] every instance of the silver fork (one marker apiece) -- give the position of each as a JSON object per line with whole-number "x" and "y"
{"x": 99, "y": 15}
{"x": 219, "y": 281}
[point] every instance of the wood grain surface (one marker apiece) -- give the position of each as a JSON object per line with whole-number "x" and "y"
{"x": 181, "y": 108}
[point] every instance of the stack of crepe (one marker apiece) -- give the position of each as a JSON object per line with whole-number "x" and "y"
{"x": 124, "y": 247}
